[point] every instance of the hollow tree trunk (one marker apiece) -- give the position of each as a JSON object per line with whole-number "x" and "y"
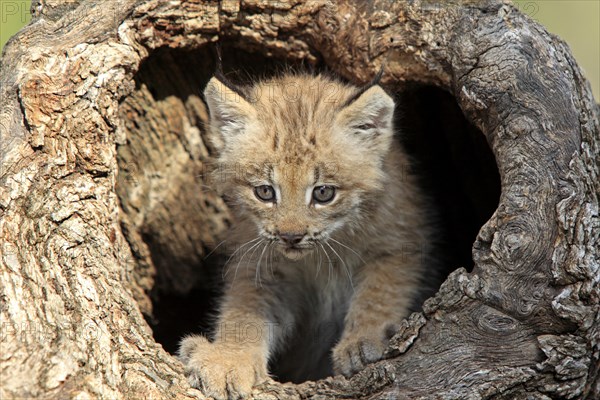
{"x": 102, "y": 197}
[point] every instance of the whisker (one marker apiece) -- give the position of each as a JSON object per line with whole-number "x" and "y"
{"x": 329, "y": 261}
{"x": 319, "y": 264}
{"x": 213, "y": 250}
{"x": 242, "y": 246}
{"x": 271, "y": 247}
{"x": 349, "y": 248}
{"x": 226, "y": 271}
{"x": 254, "y": 246}
{"x": 258, "y": 265}
{"x": 344, "y": 264}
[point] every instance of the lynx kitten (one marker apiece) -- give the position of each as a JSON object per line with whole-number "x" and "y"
{"x": 330, "y": 232}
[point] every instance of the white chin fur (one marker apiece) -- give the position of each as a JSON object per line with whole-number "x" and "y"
{"x": 293, "y": 254}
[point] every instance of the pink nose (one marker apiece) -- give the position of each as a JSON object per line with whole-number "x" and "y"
{"x": 291, "y": 238}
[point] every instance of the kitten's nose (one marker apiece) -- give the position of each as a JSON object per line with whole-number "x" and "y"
{"x": 291, "y": 238}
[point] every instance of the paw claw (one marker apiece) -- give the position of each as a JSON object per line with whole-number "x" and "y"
{"x": 355, "y": 352}
{"x": 220, "y": 370}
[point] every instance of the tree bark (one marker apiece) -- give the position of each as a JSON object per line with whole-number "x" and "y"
{"x": 102, "y": 194}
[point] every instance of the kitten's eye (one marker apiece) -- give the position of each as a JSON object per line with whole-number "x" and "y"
{"x": 365, "y": 127}
{"x": 265, "y": 193}
{"x": 323, "y": 194}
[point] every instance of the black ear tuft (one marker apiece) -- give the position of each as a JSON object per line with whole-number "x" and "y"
{"x": 374, "y": 82}
{"x": 242, "y": 91}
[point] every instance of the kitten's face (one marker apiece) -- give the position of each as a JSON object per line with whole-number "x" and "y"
{"x": 303, "y": 158}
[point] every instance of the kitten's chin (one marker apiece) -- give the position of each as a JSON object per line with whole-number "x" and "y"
{"x": 294, "y": 254}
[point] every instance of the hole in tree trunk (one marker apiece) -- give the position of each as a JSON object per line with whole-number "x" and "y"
{"x": 173, "y": 222}
{"x": 455, "y": 165}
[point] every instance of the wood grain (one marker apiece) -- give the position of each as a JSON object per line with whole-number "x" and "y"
{"x": 101, "y": 193}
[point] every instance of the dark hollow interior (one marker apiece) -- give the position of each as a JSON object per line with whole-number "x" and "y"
{"x": 451, "y": 158}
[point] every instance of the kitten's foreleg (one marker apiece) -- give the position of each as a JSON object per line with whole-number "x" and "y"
{"x": 380, "y": 301}
{"x": 237, "y": 358}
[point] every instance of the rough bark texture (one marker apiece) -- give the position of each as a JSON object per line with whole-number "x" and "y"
{"x": 101, "y": 193}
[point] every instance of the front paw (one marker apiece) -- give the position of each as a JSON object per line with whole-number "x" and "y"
{"x": 222, "y": 370}
{"x": 356, "y": 350}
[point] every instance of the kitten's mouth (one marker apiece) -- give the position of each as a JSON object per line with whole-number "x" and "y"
{"x": 294, "y": 253}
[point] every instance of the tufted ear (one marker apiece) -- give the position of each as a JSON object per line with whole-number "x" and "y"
{"x": 368, "y": 114}
{"x": 229, "y": 111}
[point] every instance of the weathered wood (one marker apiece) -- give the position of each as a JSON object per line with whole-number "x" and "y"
{"x": 101, "y": 193}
